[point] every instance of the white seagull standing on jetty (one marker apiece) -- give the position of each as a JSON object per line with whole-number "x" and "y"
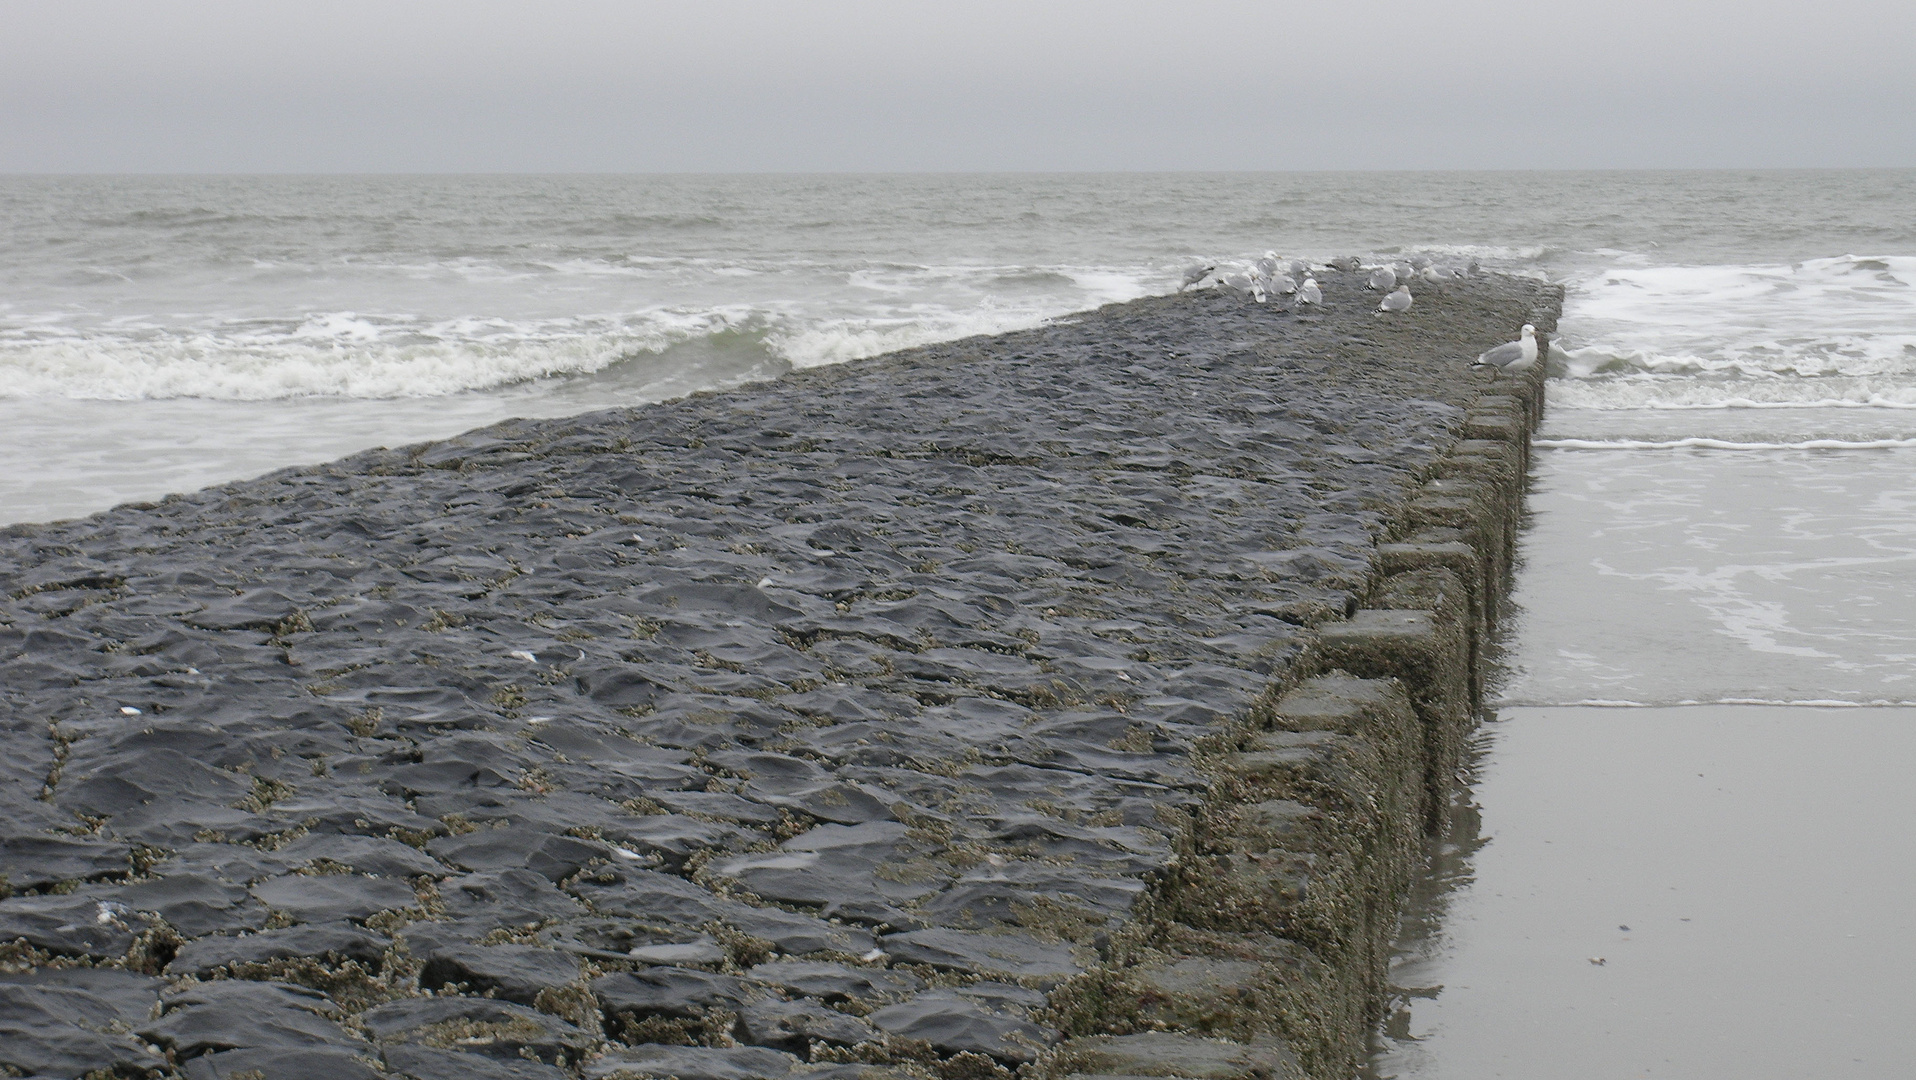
{"x": 1310, "y": 293}
{"x": 1283, "y": 284}
{"x": 1396, "y": 301}
{"x": 1511, "y": 356}
{"x": 1196, "y": 274}
{"x": 1299, "y": 269}
{"x": 1383, "y": 279}
{"x": 1267, "y": 266}
{"x": 1244, "y": 284}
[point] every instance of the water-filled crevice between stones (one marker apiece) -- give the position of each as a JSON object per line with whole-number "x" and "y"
{"x": 1063, "y": 702}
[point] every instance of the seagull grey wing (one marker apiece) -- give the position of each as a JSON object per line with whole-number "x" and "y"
{"x": 1502, "y": 356}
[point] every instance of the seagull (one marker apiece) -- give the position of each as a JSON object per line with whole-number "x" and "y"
{"x": 1196, "y": 274}
{"x": 1283, "y": 284}
{"x": 1512, "y": 356}
{"x": 1419, "y": 262}
{"x": 1383, "y": 279}
{"x": 1299, "y": 268}
{"x": 1267, "y": 266}
{"x": 1310, "y": 293}
{"x": 1396, "y": 301}
{"x": 1243, "y": 284}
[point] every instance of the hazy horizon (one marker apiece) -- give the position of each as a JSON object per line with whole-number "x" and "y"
{"x": 591, "y": 86}
{"x": 22, "y": 174}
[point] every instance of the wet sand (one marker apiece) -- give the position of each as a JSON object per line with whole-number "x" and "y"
{"x": 1760, "y": 849}
{"x": 1761, "y": 858}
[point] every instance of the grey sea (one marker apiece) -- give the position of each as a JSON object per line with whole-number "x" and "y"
{"x": 1687, "y": 848}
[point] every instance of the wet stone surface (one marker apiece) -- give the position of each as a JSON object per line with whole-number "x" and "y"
{"x": 747, "y": 735}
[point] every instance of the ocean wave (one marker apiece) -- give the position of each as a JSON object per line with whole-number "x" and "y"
{"x": 348, "y": 354}
{"x": 354, "y": 354}
{"x": 1843, "y": 317}
{"x": 1777, "y": 392}
{"x": 1701, "y": 443}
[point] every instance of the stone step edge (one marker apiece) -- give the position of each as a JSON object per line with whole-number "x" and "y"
{"x": 1262, "y": 952}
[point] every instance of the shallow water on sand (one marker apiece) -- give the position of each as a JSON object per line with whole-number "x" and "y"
{"x": 1698, "y": 892}
{"x": 1744, "y": 605}
{"x": 1670, "y": 576}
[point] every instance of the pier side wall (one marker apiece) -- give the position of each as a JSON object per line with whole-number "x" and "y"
{"x": 1273, "y": 929}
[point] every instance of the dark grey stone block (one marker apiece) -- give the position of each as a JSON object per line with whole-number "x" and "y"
{"x": 795, "y": 1025}
{"x": 46, "y": 1046}
{"x": 71, "y": 925}
{"x": 242, "y": 1015}
{"x": 554, "y": 856}
{"x": 506, "y": 898}
{"x": 691, "y": 1063}
{"x": 511, "y": 972}
{"x": 497, "y": 1029}
{"x": 32, "y": 862}
{"x": 194, "y": 904}
{"x": 332, "y": 897}
{"x": 799, "y": 934}
{"x": 957, "y": 1024}
{"x": 323, "y": 941}
{"x": 667, "y": 991}
{"x": 366, "y": 854}
{"x": 835, "y": 981}
{"x": 1005, "y": 955}
{"x": 422, "y": 1063}
{"x": 651, "y": 898}
{"x": 282, "y": 1063}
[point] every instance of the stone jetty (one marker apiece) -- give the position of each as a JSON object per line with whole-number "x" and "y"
{"x": 1072, "y": 702}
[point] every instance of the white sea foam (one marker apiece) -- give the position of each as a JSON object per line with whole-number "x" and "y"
{"x": 805, "y": 318}
{"x": 340, "y": 354}
{"x": 1696, "y": 392}
{"x": 369, "y": 299}
{"x": 1700, "y": 443}
{"x": 1848, "y": 317}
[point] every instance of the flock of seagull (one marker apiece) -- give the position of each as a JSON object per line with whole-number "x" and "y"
{"x": 1267, "y": 277}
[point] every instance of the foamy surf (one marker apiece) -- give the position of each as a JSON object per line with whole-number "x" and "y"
{"x": 389, "y": 306}
{"x": 1699, "y": 443}
{"x": 1847, "y": 317}
{"x": 1896, "y": 391}
{"x": 354, "y": 354}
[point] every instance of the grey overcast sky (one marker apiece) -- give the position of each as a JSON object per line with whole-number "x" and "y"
{"x": 860, "y": 85}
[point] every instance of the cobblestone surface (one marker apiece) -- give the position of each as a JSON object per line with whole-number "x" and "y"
{"x": 817, "y": 726}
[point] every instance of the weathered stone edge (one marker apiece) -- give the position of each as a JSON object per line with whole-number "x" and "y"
{"x": 1262, "y": 951}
